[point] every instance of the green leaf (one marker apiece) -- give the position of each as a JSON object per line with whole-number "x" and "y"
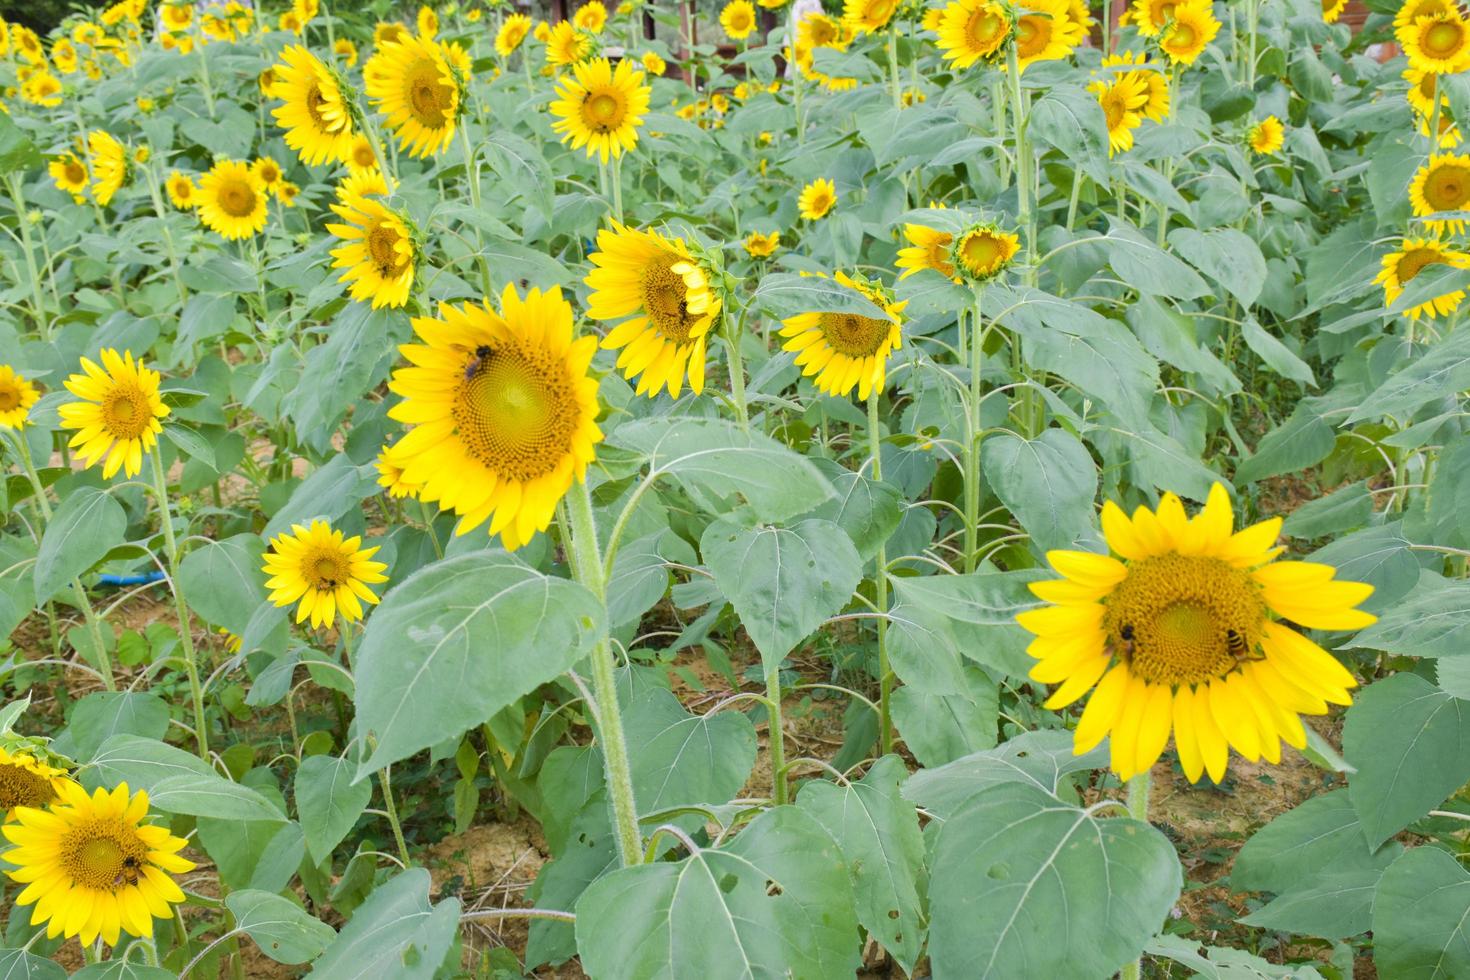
{"x": 17, "y": 964}
{"x": 140, "y": 762}
{"x": 1303, "y": 440}
{"x": 190, "y": 443}
{"x": 198, "y": 795}
{"x": 1069, "y": 118}
{"x": 783, "y": 582}
{"x": 941, "y": 727}
{"x": 1421, "y": 917}
{"x": 1278, "y": 356}
{"x": 1224, "y": 963}
{"x": 1432, "y": 621}
{"x": 1146, "y": 267}
{"x": 1341, "y": 510}
{"x": 87, "y": 525}
{"x": 121, "y": 969}
{"x": 17, "y": 152}
{"x": 681, "y": 758}
{"x": 878, "y": 832}
{"x": 459, "y": 640}
{"x": 923, "y": 651}
{"x": 775, "y": 902}
{"x": 396, "y": 933}
{"x": 1443, "y": 370}
{"x": 981, "y": 607}
{"x": 103, "y": 714}
{"x": 260, "y": 854}
{"x": 639, "y": 579}
{"x": 1410, "y": 743}
{"x": 1320, "y": 836}
{"x": 1337, "y": 906}
{"x": 282, "y": 929}
{"x": 357, "y": 354}
{"x": 328, "y": 802}
{"x": 1048, "y": 482}
{"x": 520, "y": 165}
{"x": 785, "y": 294}
{"x": 328, "y": 493}
{"x": 223, "y": 581}
{"x": 868, "y": 510}
{"x": 1380, "y": 556}
{"x": 1041, "y": 759}
{"x": 1230, "y": 257}
{"x": 1025, "y": 885}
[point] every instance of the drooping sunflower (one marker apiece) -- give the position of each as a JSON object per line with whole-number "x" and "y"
{"x": 591, "y": 16}
{"x": 1423, "y": 86}
{"x": 232, "y": 200}
{"x": 379, "y": 257}
{"x": 759, "y": 246}
{"x": 1267, "y": 136}
{"x": 983, "y": 252}
{"x": 1331, "y": 10}
{"x": 1177, "y": 633}
{"x": 817, "y": 199}
{"x": 117, "y": 420}
{"x": 512, "y": 32}
{"x": 27, "y": 779}
{"x": 182, "y": 191}
{"x": 1190, "y": 31}
{"x": 928, "y": 248}
{"x": 17, "y": 395}
{"x": 868, "y": 16}
{"x": 1123, "y": 101}
{"x": 412, "y": 83}
{"x": 108, "y": 160}
{"x": 1442, "y": 184}
{"x": 973, "y": 30}
{"x": 566, "y": 45}
{"x": 655, "y": 282}
{"x": 1439, "y": 43}
{"x": 737, "y": 18}
{"x": 69, "y": 173}
{"x": 314, "y": 113}
{"x": 847, "y": 350}
{"x": 503, "y": 411}
{"x": 600, "y": 107}
{"x": 1157, "y": 107}
{"x": 324, "y": 572}
{"x": 92, "y": 866}
{"x": 1045, "y": 32}
{"x": 1414, "y": 255}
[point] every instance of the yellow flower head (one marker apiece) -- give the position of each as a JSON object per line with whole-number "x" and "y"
{"x": 652, "y": 63}
{"x": 1414, "y": 255}
{"x": 117, "y": 419}
{"x": 386, "y": 31}
{"x": 1190, "y": 31}
{"x": 928, "y": 248}
{"x": 268, "y": 171}
{"x": 1184, "y": 630}
{"x": 512, "y": 32}
{"x": 971, "y": 31}
{"x": 390, "y": 475}
{"x": 600, "y": 107}
{"x": 323, "y": 572}
{"x": 1266, "y": 136}
{"x": 346, "y": 50}
{"x": 315, "y": 113}
{"x": 411, "y": 81}
{"x": 28, "y": 777}
{"x": 1157, "y": 107}
{"x": 182, "y": 191}
{"x": 1442, "y": 184}
{"x": 362, "y": 157}
{"x": 868, "y": 16}
{"x": 64, "y": 56}
{"x": 286, "y": 193}
{"x": 1123, "y": 101}
{"x": 567, "y": 45}
{"x": 69, "y": 173}
{"x": 591, "y": 16}
{"x": 1331, "y": 10}
{"x": 1438, "y": 42}
{"x": 473, "y": 16}
{"x": 847, "y": 350}
{"x": 232, "y": 200}
{"x": 983, "y": 252}
{"x": 1152, "y": 16}
{"x": 1045, "y": 31}
{"x": 542, "y": 32}
{"x": 42, "y": 88}
{"x": 108, "y": 161}
{"x": 427, "y": 22}
{"x": 176, "y": 16}
{"x": 17, "y": 395}
{"x": 817, "y": 199}
{"x": 738, "y": 19}
{"x": 379, "y": 256}
{"x": 759, "y": 245}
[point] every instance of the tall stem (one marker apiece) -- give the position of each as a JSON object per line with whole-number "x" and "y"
{"x": 186, "y": 634}
{"x": 880, "y": 590}
{"x": 1024, "y": 163}
{"x": 893, "y": 65}
{"x": 204, "y": 84}
{"x": 972, "y": 442}
{"x": 588, "y": 565}
{"x": 17, "y": 197}
{"x": 472, "y": 174}
{"x": 1138, "y": 810}
{"x": 156, "y": 193}
{"x": 617, "y": 188}
{"x": 777, "y": 737}
{"x": 385, "y": 782}
{"x": 733, "y": 334}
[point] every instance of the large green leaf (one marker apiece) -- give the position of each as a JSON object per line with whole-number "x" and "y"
{"x": 1432, "y": 621}
{"x": 1041, "y": 759}
{"x": 785, "y": 294}
{"x": 1337, "y": 906}
{"x": 1048, "y": 482}
{"x": 103, "y": 714}
{"x": 1148, "y": 268}
{"x": 396, "y": 933}
{"x": 680, "y": 758}
{"x": 868, "y": 510}
{"x": 87, "y": 525}
{"x": 223, "y": 581}
{"x": 282, "y": 929}
{"x": 1443, "y": 370}
{"x": 1228, "y": 256}
{"x": 981, "y": 607}
{"x": 328, "y": 802}
{"x": 459, "y": 640}
{"x": 1320, "y": 836}
{"x": 17, "y": 964}
{"x": 1069, "y": 118}
{"x": 940, "y": 727}
{"x": 1421, "y": 918}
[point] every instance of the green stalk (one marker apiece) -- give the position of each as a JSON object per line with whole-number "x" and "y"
{"x": 972, "y": 443}
{"x": 473, "y": 176}
{"x": 777, "y": 737}
{"x": 186, "y": 636}
{"x": 204, "y": 79}
{"x": 893, "y": 65}
{"x": 737, "y": 367}
{"x": 1024, "y": 177}
{"x": 588, "y": 566}
{"x": 1137, "y": 809}
{"x": 168, "y": 239}
{"x": 617, "y": 188}
{"x": 880, "y": 589}
{"x": 18, "y": 199}
{"x": 385, "y": 782}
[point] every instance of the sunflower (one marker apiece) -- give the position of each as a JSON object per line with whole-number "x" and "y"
{"x": 1449, "y": 130}
{"x": 1442, "y": 184}
{"x": 1179, "y": 635}
{"x": 1152, "y": 16}
{"x": 379, "y": 257}
{"x": 669, "y": 304}
{"x": 286, "y": 192}
{"x": 27, "y": 781}
{"x": 473, "y": 16}
{"x": 346, "y": 50}
{"x": 511, "y": 34}
{"x": 117, "y": 418}
{"x": 1123, "y": 101}
{"x": 1157, "y": 107}
{"x": 759, "y": 246}
{"x": 1423, "y": 85}
{"x": 1045, "y": 32}
{"x": 1413, "y": 256}
{"x": 267, "y": 171}
{"x": 42, "y": 88}
{"x": 817, "y": 30}
{"x": 181, "y": 191}
{"x": 64, "y": 56}
{"x": 868, "y": 16}
{"x": 232, "y": 200}
{"x": 390, "y": 475}
{"x": 427, "y": 22}
{"x": 591, "y": 16}
{"x": 361, "y": 156}
{"x": 566, "y": 45}
{"x": 315, "y": 113}
{"x": 325, "y": 573}
{"x": 601, "y": 108}
{"x": 1193, "y": 27}
{"x": 652, "y": 63}
{"x": 983, "y": 252}
{"x": 412, "y": 83}
{"x": 1081, "y": 14}
{"x": 1439, "y": 43}
{"x": 176, "y": 16}
{"x": 289, "y": 21}
{"x": 738, "y": 19}
{"x": 17, "y": 395}
{"x": 928, "y": 248}
{"x": 69, "y": 173}
{"x": 109, "y": 164}
{"x": 1331, "y": 10}
{"x": 972, "y": 30}
{"x": 817, "y": 199}
{"x": 305, "y": 9}
{"x": 366, "y": 183}
{"x": 542, "y": 31}
{"x": 385, "y": 31}
{"x": 844, "y": 350}
{"x": 92, "y": 866}
{"x": 503, "y": 411}
{"x": 1266, "y": 136}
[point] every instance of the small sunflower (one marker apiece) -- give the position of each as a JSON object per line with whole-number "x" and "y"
{"x": 361, "y": 156}
{"x": 738, "y": 19}
{"x": 384, "y": 32}
{"x": 232, "y": 200}
{"x": 315, "y": 113}
{"x": 427, "y": 22}
{"x": 847, "y": 350}
{"x": 1439, "y": 43}
{"x": 817, "y": 199}
{"x": 1442, "y": 184}
{"x": 1412, "y": 257}
{"x": 869, "y": 16}
{"x": 652, "y": 63}
{"x": 108, "y": 160}
{"x": 1331, "y": 10}
{"x": 759, "y": 245}
{"x": 390, "y": 475}
{"x": 412, "y": 83}
{"x": 503, "y": 412}
{"x": 928, "y": 248}
{"x": 176, "y": 16}
{"x": 1423, "y": 86}
{"x": 1123, "y": 101}
{"x": 346, "y": 50}
{"x": 1179, "y": 635}
{"x": 366, "y": 183}
{"x": 117, "y": 420}
{"x": 600, "y": 107}
{"x": 267, "y": 171}
{"x": 379, "y": 254}
{"x": 542, "y": 31}
{"x": 1192, "y": 28}
{"x": 1152, "y": 16}
{"x": 972, "y": 30}
{"x": 591, "y": 16}
{"x": 1045, "y": 32}
{"x": 567, "y": 45}
{"x": 69, "y": 173}
{"x": 983, "y": 252}
{"x": 511, "y": 34}
{"x": 27, "y": 779}
{"x": 286, "y": 192}
{"x": 323, "y": 572}
{"x": 1266, "y": 136}
{"x": 665, "y": 295}
{"x": 182, "y": 191}
{"x": 92, "y": 866}
{"x": 17, "y": 395}
{"x": 817, "y": 30}
{"x": 1157, "y": 107}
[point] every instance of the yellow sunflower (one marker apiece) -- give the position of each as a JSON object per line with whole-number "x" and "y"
{"x": 17, "y": 395}
{"x": 315, "y": 113}
{"x": 652, "y": 63}
{"x": 286, "y": 193}
{"x": 108, "y": 160}
{"x": 473, "y": 16}
{"x": 817, "y": 199}
{"x": 427, "y": 22}
{"x": 1045, "y": 31}
{"x": 933, "y": 17}
{"x": 176, "y": 16}
{"x": 267, "y": 171}
{"x": 64, "y": 56}
{"x": 600, "y": 107}
{"x": 390, "y": 475}
{"x": 1152, "y": 16}
{"x": 591, "y": 16}
{"x": 847, "y": 350}
{"x": 566, "y": 45}
{"x": 759, "y": 246}
{"x": 503, "y": 412}
{"x": 1157, "y": 107}
{"x": 379, "y": 257}
{"x": 92, "y": 866}
{"x": 26, "y": 780}
{"x": 511, "y": 34}
{"x": 367, "y": 183}
{"x": 1442, "y": 184}
{"x": 983, "y": 252}
{"x": 1123, "y": 101}
{"x": 738, "y": 19}
{"x": 1449, "y": 130}
{"x": 1178, "y": 635}
{"x": 384, "y": 32}
{"x": 868, "y": 16}
{"x": 665, "y": 294}
{"x": 1412, "y": 257}
{"x": 346, "y": 50}
{"x": 817, "y": 30}
{"x": 182, "y": 191}
{"x": 232, "y": 200}
{"x": 1332, "y": 9}
{"x": 69, "y": 173}
{"x": 1412, "y": 10}
{"x": 972, "y": 30}
{"x": 1439, "y": 43}
{"x": 1423, "y": 86}
{"x": 43, "y": 89}
{"x": 928, "y": 248}
{"x": 289, "y": 21}
{"x": 411, "y": 82}
{"x": 1266, "y": 136}
{"x": 326, "y": 574}
{"x": 1194, "y": 26}
{"x": 117, "y": 420}
{"x": 542, "y": 31}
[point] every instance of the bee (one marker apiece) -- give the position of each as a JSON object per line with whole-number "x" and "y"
{"x": 482, "y": 353}
{"x": 129, "y": 873}
{"x": 1238, "y": 647}
{"x": 1125, "y": 649}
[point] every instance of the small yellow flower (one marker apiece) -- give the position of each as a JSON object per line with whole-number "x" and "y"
{"x": 817, "y": 199}
{"x": 1266, "y": 136}
{"x": 117, "y": 418}
{"x": 759, "y": 246}
{"x": 17, "y": 395}
{"x": 323, "y": 572}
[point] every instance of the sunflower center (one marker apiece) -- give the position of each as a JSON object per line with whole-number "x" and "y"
{"x": 823, "y": 33}
{"x": 1182, "y": 36}
{"x": 9, "y": 398}
{"x": 126, "y": 413}
{"x": 1113, "y": 109}
{"x": 1032, "y": 33}
{"x": 18, "y": 785}
{"x": 516, "y": 411}
{"x": 314, "y": 101}
{"x": 382, "y": 245}
{"x": 236, "y": 198}
{"x": 980, "y": 252}
{"x": 853, "y": 335}
{"x": 103, "y": 854}
{"x": 325, "y": 570}
{"x": 269, "y": 173}
{"x": 75, "y": 172}
{"x": 1446, "y": 188}
{"x": 1443, "y": 39}
{"x": 984, "y": 27}
{"x": 1414, "y": 262}
{"x": 362, "y": 156}
{"x": 1183, "y": 619}
{"x": 602, "y": 110}
{"x": 666, "y": 299}
{"x": 430, "y": 101}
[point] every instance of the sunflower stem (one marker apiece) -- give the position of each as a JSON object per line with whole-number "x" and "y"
{"x": 587, "y": 563}
{"x": 472, "y": 174}
{"x": 385, "y": 781}
{"x": 1023, "y": 161}
{"x": 1138, "y": 788}
{"x": 617, "y": 188}
{"x": 737, "y": 367}
{"x": 880, "y": 592}
{"x": 776, "y": 738}
{"x": 17, "y": 197}
{"x": 204, "y": 84}
{"x": 893, "y": 66}
{"x": 186, "y": 635}
{"x": 972, "y": 442}
{"x": 155, "y": 192}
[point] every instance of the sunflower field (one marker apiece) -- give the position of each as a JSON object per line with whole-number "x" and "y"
{"x": 783, "y": 489}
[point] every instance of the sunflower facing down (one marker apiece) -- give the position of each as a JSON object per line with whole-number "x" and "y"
{"x": 847, "y": 350}
{"x": 69, "y": 173}
{"x": 1413, "y": 257}
{"x": 1123, "y": 101}
{"x": 928, "y": 248}
{"x": 503, "y": 412}
{"x": 601, "y": 107}
{"x": 1184, "y": 631}
{"x": 1190, "y": 31}
{"x": 1441, "y": 185}
{"x": 511, "y": 34}
{"x": 232, "y": 200}
{"x": 17, "y": 395}
{"x": 315, "y": 113}
{"x": 326, "y": 574}
{"x": 972, "y": 30}
{"x": 983, "y": 252}
{"x": 92, "y": 866}
{"x": 1438, "y": 42}
{"x": 108, "y": 160}
{"x": 817, "y": 199}
{"x": 412, "y": 83}
{"x": 117, "y": 420}
{"x": 379, "y": 254}
{"x": 1266, "y": 136}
